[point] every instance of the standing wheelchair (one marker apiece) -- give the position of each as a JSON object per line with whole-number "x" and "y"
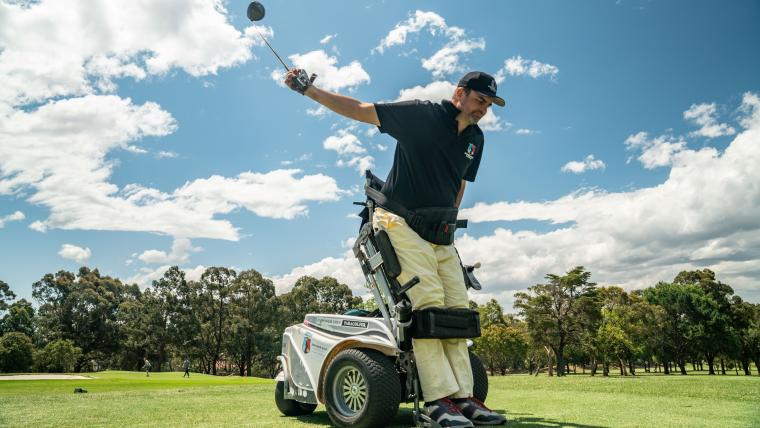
{"x": 361, "y": 364}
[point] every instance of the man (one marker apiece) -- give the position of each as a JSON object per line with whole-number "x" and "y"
{"x": 146, "y": 366}
{"x": 439, "y": 147}
{"x": 186, "y": 366}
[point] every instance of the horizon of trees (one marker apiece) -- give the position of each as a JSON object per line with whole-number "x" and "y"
{"x": 230, "y": 322}
{"x": 695, "y": 319}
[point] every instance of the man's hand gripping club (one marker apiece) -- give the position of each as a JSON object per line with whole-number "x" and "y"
{"x": 298, "y": 80}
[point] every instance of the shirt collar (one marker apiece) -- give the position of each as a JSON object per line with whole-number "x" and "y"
{"x": 451, "y": 109}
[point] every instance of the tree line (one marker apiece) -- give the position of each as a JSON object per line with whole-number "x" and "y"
{"x": 229, "y": 322}
{"x": 694, "y": 320}
{"x": 226, "y": 322}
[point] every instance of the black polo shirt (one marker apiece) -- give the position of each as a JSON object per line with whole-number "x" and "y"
{"x": 431, "y": 160}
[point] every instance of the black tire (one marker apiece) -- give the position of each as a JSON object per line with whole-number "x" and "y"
{"x": 362, "y": 389}
{"x": 290, "y": 407}
{"x": 479, "y": 378}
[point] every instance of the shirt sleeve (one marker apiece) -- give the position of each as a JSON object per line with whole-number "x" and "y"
{"x": 472, "y": 170}
{"x": 401, "y": 119}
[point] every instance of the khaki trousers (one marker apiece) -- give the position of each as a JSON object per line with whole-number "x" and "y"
{"x": 443, "y": 365}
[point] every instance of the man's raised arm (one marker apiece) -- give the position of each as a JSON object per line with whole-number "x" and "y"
{"x": 344, "y": 106}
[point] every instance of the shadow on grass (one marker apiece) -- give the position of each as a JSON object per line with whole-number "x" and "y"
{"x": 404, "y": 418}
{"x": 527, "y": 420}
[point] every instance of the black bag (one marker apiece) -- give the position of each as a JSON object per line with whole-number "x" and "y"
{"x": 434, "y": 224}
{"x": 439, "y": 323}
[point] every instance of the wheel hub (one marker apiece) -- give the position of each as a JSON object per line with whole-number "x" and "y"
{"x": 350, "y": 391}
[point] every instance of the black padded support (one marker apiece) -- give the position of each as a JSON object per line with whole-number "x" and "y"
{"x": 439, "y": 323}
{"x": 390, "y": 260}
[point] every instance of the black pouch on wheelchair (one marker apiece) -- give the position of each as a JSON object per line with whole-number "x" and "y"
{"x": 434, "y": 224}
{"x": 438, "y": 323}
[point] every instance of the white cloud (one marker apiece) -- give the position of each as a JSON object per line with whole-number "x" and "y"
{"x": 525, "y": 131}
{"x": 447, "y": 59}
{"x": 327, "y": 39}
{"x": 38, "y": 226}
{"x": 329, "y": 76}
{"x": 588, "y": 164}
{"x": 16, "y": 216}
{"x": 166, "y": 154}
{"x": 320, "y": 111}
{"x": 77, "y": 254}
{"x": 179, "y": 255}
{"x": 345, "y": 269}
{"x": 350, "y": 149}
{"x": 75, "y": 48}
{"x": 706, "y": 116}
{"x": 276, "y": 194}
{"x": 419, "y": 21}
{"x": 59, "y": 151}
{"x": 519, "y": 66}
{"x": 345, "y": 143}
{"x": 703, "y": 216}
{"x": 134, "y": 149}
{"x": 440, "y": 90}
{"x": 655, "y": 152}
{"x": 304, "y": 157}
{"x": 361, "y": 163}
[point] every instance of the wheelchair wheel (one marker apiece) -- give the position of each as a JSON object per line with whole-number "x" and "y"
{"x": 290, "y": 407}
{"x": 361, "y": 389}
{"x": 479, "y": 378}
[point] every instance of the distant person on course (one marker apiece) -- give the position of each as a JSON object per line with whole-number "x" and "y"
{"x": 146, "y": 366}
{"x": 186, "y": 366}
{"x": 439, "y": 147}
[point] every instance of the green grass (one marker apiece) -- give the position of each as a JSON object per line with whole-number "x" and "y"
{"x": 166, "y": 399}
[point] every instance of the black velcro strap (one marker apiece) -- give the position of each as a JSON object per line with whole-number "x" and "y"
{"x": 439, "y": 323}
{"x": 390, "y": 260}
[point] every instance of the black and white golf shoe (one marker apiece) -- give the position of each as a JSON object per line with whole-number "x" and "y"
{"x": 446, "y": 414}
{"x": 477, "y": 412}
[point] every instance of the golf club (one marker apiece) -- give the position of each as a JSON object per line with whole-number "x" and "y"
{"x": 255, "y": 13}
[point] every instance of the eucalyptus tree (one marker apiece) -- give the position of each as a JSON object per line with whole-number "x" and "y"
{"x": 6, "y": 295}
{"x": 713, "y": 333}
{"x": 82, "y": 308}
{"x": 558, "y": 312}
{"x": 312, "y": 295}
{"x": 20, "y": 318}
{"x": 682, "y": 305}
{"x": 253, "y": 308}
{"x": 212, "y": 302}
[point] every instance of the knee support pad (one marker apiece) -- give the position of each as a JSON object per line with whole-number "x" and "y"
{"x": 439, "y": 323}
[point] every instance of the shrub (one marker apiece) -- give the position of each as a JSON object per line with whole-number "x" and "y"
{"x": 15, "y": 352}
{"x": 59, "y": 356}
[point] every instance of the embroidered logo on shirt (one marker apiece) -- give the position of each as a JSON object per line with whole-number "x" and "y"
{"x": 470, "y": 153}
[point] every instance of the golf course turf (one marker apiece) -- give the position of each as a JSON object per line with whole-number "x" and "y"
{"x": 166, "y": 399}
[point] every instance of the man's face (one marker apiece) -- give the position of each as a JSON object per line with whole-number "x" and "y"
{"x": 473, "y": 104}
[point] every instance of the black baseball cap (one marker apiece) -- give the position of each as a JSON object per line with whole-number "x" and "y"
{"x": 483, "y": 83}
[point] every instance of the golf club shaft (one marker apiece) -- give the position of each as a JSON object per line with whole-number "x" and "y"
{"x": 274, "y": 52}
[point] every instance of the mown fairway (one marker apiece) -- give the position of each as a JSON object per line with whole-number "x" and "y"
{"x": 165, "y": 399}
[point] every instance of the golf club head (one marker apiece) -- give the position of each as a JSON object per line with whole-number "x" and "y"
{"x": 256, "y": 11}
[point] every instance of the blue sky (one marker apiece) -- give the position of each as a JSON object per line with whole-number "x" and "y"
{"x": 138, "y": 136}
